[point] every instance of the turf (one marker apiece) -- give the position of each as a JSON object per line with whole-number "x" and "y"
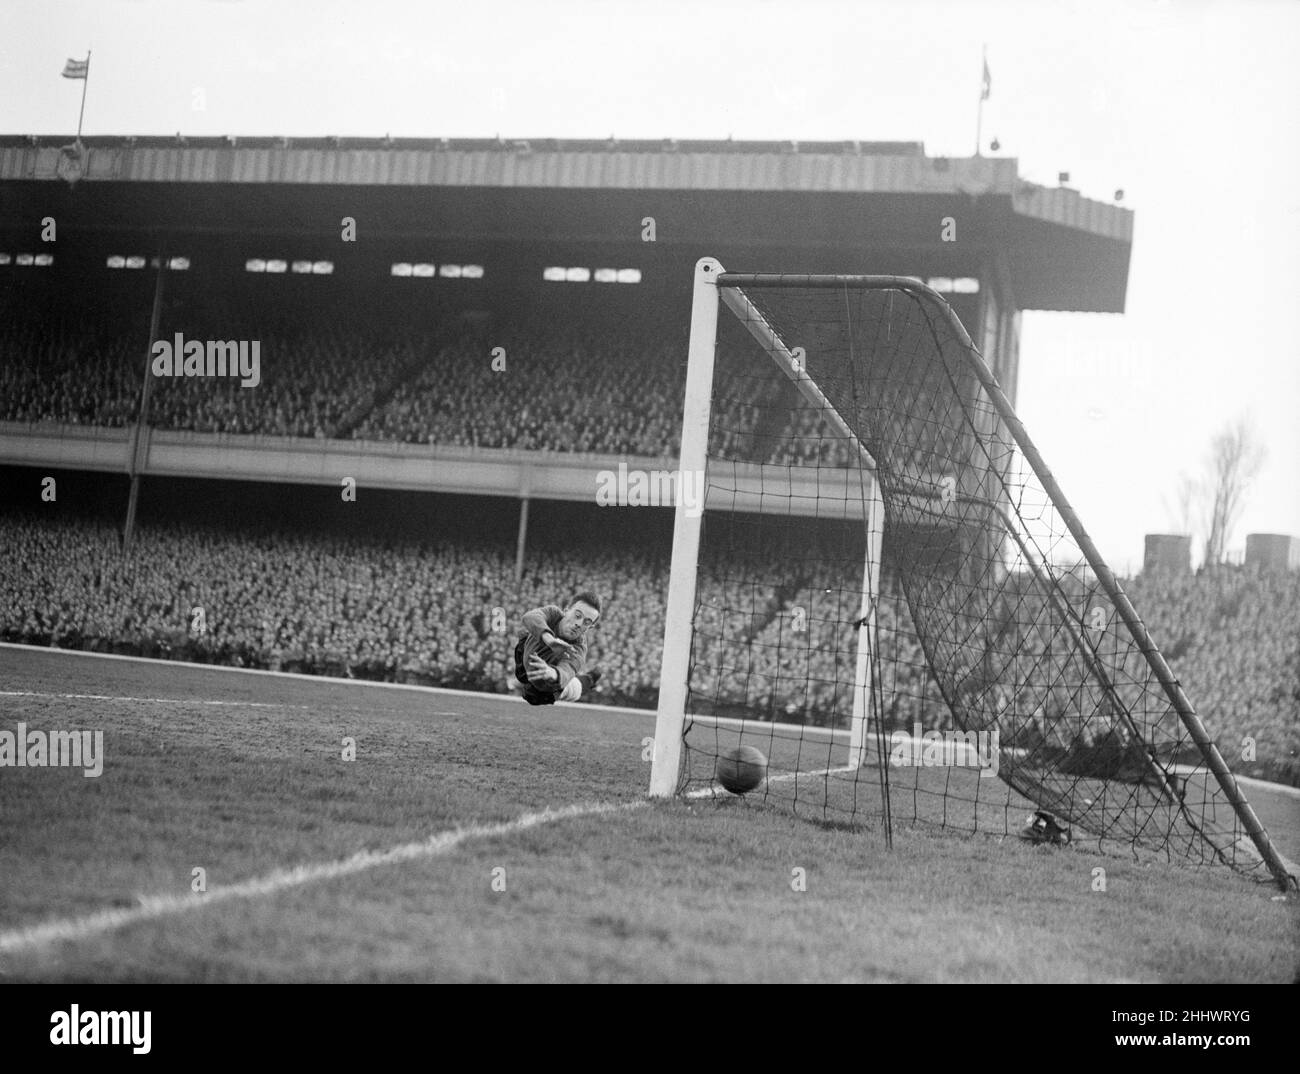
{"x": 684, "y": 890}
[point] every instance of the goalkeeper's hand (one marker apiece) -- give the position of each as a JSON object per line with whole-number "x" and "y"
{"x": 557, "y": 645}
{"x": 540, "y": 672}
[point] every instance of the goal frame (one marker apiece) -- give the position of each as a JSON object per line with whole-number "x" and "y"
{"x": 670, "y": 721}
{"x": 713, "y": 286}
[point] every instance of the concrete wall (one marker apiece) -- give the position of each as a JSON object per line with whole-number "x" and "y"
{"x": 810, "y": 492}
{"x": 1273, "y": 551}
{"x": 1167, "y": 553}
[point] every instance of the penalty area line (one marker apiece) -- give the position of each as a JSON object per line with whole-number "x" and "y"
{"x": 156, "y": 906}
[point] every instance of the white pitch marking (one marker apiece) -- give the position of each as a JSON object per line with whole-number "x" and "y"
{"x": 154, "y": 906}
{"x": 712, "y": 791}
{"x": 1248, "y": 781}
{"x": 158, "y": 700}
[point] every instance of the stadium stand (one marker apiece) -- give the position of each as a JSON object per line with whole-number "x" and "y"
{"x": 423, "y": 611}
{"x": 596, "y": 387}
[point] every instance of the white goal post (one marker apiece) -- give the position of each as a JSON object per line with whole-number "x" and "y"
{"x": 670, "y": 723}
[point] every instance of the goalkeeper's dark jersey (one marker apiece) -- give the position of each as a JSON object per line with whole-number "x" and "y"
{"x": 536, "y": 623}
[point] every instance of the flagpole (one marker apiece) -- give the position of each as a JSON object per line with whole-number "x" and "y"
{"x": 85, "y": 82}
{"x": 979, "y": 119}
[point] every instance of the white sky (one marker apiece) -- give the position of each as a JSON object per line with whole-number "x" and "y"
{"x": 1190, "y": 107}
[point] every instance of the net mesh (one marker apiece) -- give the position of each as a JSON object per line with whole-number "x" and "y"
{"x": 992, "y": 648}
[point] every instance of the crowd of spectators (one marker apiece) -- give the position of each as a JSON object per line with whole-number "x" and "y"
{"x": 68, "y": 369}
{"x": 533, "y": 386}
{"x": 90, "y": 371}
{"x": 537, "y": 382}
{"x": 436, "y": 613}
{"x": 770, "y": 642}
{"x": 533, "y": 383}
{"x": 1232, "y": 636}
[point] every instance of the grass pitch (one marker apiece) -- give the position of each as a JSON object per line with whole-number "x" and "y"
{"x": 410, "y": 863}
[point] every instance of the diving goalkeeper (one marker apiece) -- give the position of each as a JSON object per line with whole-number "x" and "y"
{"x": 551, "y": 655}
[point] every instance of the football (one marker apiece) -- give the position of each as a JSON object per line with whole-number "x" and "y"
{"x": 742, "y": 769}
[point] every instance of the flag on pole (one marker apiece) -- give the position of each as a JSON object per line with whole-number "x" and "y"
{"x": 985, "y": 86}
{"x": 79, "y": 69}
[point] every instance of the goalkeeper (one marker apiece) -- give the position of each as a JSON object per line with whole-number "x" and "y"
{"x": 551, "y": 655}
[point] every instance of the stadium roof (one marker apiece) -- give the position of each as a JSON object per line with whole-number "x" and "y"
{"x": 1063, "y": 251}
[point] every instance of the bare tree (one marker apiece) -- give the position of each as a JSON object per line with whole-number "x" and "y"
{"x": 1234, "y": 461}
{"x": 1181, "y": 506}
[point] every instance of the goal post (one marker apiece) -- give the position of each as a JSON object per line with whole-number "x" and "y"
{"x": 679, "y": 616}
{"x": 864, "y": 678}
{"x": 884, "y": 567}
{"x": 671, "y": 714}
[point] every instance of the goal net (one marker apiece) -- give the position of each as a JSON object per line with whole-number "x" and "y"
{"x": 888, "y": 594}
